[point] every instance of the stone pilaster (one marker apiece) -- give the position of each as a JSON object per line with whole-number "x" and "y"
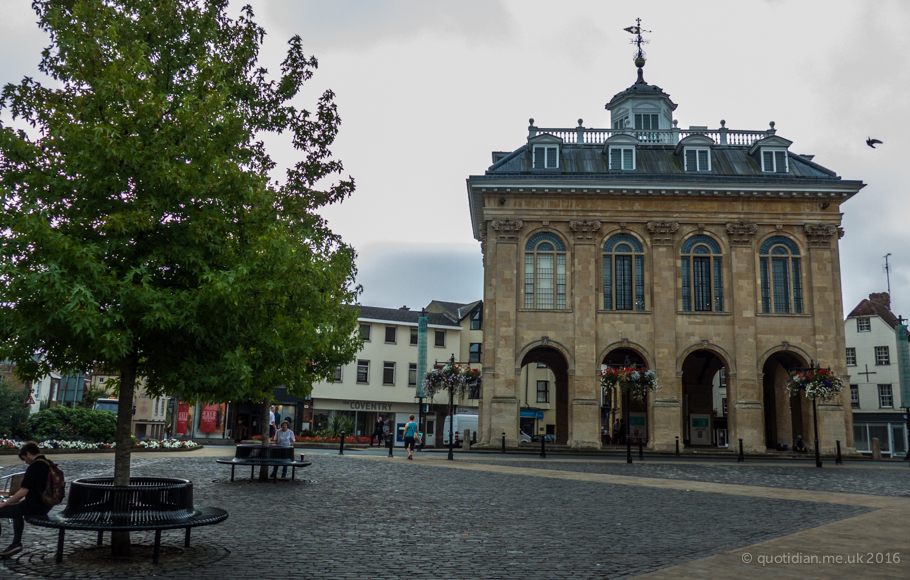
{"x": 665, "y": 410}
{"x": 584, "y": 387}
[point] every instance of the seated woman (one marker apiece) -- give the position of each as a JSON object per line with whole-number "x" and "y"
{"x": 283, "y": 436}
{"x": 800, "y": 445}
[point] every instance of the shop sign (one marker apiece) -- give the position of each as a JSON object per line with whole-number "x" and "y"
{"x": 183, "y": 413}
{"x": 367, "y": 406}
{"x": 208, "y": 423}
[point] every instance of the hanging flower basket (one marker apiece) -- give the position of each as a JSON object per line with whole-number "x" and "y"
{"x": 640, "y": 381}
{"x": 457, "y": 379}
{"x": 816, "y": 383}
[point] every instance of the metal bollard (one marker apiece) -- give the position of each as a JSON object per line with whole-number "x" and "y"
{"x": 838, "y": 461}
{"x": 641, "y": 453}
{"x": 543, "y": 447}
{"x": 503, "y": 442}
{"x": 677, "y": 445}
{"x": 341, "y": 445}
{"x": 741, "y": 458}
{"x": 390, "y": 443}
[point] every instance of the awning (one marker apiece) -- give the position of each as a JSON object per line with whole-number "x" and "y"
{"x": 531, "y": 414}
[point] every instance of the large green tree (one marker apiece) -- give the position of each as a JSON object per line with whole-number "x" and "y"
{"x": 141, "y": 232}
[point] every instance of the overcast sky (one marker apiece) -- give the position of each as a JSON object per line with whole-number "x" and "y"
{"x": 426, "y": 90}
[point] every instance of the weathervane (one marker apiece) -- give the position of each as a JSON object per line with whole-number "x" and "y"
{"x": 639, "y": 57}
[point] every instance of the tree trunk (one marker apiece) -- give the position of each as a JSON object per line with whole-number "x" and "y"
{"x": 120, "y": 541}
{"x": 264, "y": 421}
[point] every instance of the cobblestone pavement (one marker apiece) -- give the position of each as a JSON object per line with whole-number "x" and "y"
{"x": 390, "y": 518}
{"x": 887, "y": 481}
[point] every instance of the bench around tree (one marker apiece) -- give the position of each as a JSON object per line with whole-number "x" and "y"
{"x": 148, "y": 503}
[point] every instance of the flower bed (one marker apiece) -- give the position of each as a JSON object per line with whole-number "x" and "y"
{"x": 90, "y": 446}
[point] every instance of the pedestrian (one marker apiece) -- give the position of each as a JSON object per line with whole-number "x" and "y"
{"x": 377, "y": 432}
{"x": 272, "y": 427}
{"x": 387, "y": 436}
{"x": 28, "y": 501}
{"x": 800, "y": 445}
{"x": 410, "y": 434}
{"x": 284, "y": 437}
{"x": 616, "y": 431}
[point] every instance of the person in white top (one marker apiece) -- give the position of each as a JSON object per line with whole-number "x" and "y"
{"x": 285, "y": 437}
{"x": 272, "y": 427}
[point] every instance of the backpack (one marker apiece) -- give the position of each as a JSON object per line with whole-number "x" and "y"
{"x": 55, "y": 489}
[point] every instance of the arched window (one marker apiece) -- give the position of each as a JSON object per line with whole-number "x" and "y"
{"x": 624, "y": 273}
{"x": 781, "y": 276}
{"x": 702, "y": 275}
{"x": 545, "y": 272}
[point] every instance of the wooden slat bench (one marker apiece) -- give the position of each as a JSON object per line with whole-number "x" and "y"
{"x": 257, "y": 455}
{"x": 10, "y": 484}
{"x": 148, "y": 503}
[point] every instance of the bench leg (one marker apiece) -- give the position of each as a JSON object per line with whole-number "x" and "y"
{"x": 59, "y": 557}
{"x": 232, "y": 473}
{"x": 157, "y": 551}
{"x": 186, "y": 542}
{"x": 100, "y": 537}
{"x": 252, "y": 467}
{"x": 293, "y": 472}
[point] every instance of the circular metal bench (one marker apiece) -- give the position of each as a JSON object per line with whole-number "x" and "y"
{"x": 271, "y": 456}
{"x": 147, "y": 503}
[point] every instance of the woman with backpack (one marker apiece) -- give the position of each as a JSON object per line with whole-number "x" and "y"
{"x": 410, "y": 434}
{"x": 29, "y": 500}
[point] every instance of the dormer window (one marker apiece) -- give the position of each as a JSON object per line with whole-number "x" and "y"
{"x": 546, "y": 157}
{"x": 620, "y": 123}
{"x": 622, "y": 158}
{"x": 697, "y": 159}
{"x": 774, "y": 161}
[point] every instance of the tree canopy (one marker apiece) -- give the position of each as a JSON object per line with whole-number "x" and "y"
{"x": 141, "y": 232}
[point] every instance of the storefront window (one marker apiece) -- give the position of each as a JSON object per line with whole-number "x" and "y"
{"x": 286, "y": 413}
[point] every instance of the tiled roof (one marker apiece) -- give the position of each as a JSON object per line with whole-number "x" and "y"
{"x": 870, "y": 308}
{"x": 457, "y": 310}
{"x": 404, "y": 316}
{"x": 659, "y": 161}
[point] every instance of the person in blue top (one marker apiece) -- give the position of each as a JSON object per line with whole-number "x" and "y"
{"x": 410, "y": 434}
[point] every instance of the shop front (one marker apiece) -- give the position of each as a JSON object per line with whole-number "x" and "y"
{"x": 365, "y": 415}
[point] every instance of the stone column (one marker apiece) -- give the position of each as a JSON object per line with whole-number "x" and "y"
{"x": 584, "y": 386}
{"x": 744, "y": 393}
{"x": 827, "y": 316}
{"x": 664, "y": 407}
{"x": 506, "y": 270}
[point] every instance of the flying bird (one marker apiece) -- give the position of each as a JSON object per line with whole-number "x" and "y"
{"x": 871, "y": 142}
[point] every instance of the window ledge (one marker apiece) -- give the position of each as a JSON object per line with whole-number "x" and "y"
{"x": 773, "y": 314}
{"x": 625, "y": 312}
{"x": 559, "y": 310}
{"x": 702, "y": 313}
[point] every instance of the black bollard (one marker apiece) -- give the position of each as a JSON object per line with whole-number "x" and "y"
{"x": 503, "y": 442}
{"x": 390, "y": 443}
{"x": 543, "y": 447}
{"x": 741, "y": 458}
{"x": 838, "y": 461}
{"x": 677, "y": 445}
{"x": 641, "y": 452}
{"x": 341, "y": 445}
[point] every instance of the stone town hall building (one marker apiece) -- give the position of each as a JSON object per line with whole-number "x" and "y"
{"x": 690, "y": 251}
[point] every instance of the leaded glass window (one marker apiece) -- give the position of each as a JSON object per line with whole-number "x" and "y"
{"x": 623, "y": 273}
{"x": 545, "y": 272}
{"x": 781, "y": 276}
{"x": 702, "y": 272}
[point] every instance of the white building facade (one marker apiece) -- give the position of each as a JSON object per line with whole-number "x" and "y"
{"x": 875, "y": 386}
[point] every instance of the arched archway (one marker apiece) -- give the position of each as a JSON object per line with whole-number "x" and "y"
{"x": 703, "y": 386}
{"x": 545, "y": 364}
{"x": 636, "y": 416}
{"x": 784, "y": 415}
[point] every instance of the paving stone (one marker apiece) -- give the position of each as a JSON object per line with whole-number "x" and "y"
{"x": 377, "y": 519}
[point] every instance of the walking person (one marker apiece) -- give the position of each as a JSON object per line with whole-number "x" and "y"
{"x": 616, "y": 431}
{"x": 410, "y": 434}
{"x": 272, "y": 427}
{"x": 28, "y": 501}
{"x": 285, "y": 437}
{"x": 387, "y": 436}
{"x": 377, "y": 432}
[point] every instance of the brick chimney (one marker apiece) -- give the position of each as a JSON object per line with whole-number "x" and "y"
{"x": 881, "y": 298}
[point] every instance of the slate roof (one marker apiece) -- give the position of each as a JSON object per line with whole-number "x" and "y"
{"x": 404, "y": 316}
{"x": 457, "y": 310}
{"x": 658, "y": 162}
{"x": 870, "y": 308}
